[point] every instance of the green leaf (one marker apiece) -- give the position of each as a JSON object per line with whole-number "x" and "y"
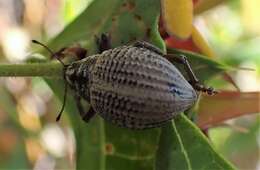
{"x": 130, "y": 148}
{"x": 89, "y": 23}
{"x": 125, "y": 20}
{"x": 183, "y": 146}
{"x": 136, "y": 137}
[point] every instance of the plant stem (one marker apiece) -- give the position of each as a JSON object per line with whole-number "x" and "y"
{"x": 31, "y": 70}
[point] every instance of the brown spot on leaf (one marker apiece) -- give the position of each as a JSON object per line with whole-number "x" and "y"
{"x": 124, "y": 4}
{"x": 138, "y": 17}
{"x": 148, "y": 32}
{"x": 109, "y": 149}
{"x": 113, "y": 19}
{"x": 130, "y": 5}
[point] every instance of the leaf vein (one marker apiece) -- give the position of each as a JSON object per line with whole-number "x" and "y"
{"x": 182, "y": 146}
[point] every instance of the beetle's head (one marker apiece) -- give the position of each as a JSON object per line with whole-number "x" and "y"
{"x": 69, "y": 71}
{"x": 72, "y": 75}
{"x": 78, "y": 75}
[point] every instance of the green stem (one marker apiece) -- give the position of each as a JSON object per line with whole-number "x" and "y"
{"x": 31, "y": 70}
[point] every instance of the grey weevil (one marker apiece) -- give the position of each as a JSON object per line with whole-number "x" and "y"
{"x": 132, "y": 86}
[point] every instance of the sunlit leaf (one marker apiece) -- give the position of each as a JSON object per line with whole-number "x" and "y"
{"x": 201, "y": 43}
{"x": 178, "y": 16}
{"x": 250, "y": 15}
{"x": 72, "y": 8}
{"x": 204, "y": 5}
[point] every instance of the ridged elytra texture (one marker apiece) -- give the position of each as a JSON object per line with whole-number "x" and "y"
{"x": 132, "y": 87}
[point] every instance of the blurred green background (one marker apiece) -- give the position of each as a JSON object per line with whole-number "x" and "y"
{"x": 28, "y": 107}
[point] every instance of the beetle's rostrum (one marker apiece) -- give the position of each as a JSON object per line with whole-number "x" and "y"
{"x": 132, "y": 86}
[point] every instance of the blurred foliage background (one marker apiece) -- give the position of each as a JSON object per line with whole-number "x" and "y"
{"x": 28, "y": 107}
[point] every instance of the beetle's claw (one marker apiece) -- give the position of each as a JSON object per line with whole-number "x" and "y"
{"x": 211, "y": 91}
{"x": 204, "y": 89}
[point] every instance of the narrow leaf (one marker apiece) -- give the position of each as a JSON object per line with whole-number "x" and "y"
{"x": 183, "y": 146}
{"x": 204, "y": 5}
{"x": 226, "y": 105}
{"x": 201, "y": 43}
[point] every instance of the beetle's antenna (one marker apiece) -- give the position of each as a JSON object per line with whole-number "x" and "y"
{"x": 52, "y": 53}
{"x": 66, "y": 86}
{"x": 64, "y": 101}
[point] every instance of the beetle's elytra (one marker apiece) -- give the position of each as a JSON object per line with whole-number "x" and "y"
{"x": 132, "y": 86}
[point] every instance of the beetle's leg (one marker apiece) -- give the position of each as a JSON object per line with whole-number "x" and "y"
{"x": 86, "y": 116}
{"x": 194, "y": 81}
{"x": 89, "y": 114}
{"x": 144, "y": 44}
{"x": 103, "y": 42}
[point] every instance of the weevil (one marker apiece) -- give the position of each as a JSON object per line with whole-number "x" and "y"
{"x": 132, "y": 86}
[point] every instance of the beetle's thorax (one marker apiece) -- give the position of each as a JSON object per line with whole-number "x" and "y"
{"x": 78, "y": 76}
